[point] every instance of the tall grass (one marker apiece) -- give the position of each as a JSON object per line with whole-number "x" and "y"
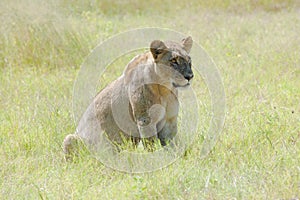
{"x": 255, "y": 44}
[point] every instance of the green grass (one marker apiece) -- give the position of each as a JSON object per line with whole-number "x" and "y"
{"x": 255, "y": 45}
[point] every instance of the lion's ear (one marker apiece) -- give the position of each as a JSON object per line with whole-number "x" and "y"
{"x": 187, "y": 44}
{"x": 157, "y": 47}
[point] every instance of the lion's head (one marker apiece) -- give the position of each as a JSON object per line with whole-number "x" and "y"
{"x": 173, "y": 61}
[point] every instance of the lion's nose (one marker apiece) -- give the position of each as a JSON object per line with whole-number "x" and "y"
{"x": 189, "y": 76}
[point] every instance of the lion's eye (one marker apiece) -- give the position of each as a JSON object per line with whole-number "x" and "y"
{"x": 174, "y": 60}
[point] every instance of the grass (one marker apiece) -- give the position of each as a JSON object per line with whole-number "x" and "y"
{"x": 255, "y": 44}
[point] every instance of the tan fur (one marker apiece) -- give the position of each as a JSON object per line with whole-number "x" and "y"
{"x": 142, "y": 103}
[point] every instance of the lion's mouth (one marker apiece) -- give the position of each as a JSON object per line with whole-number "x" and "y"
{"x": 177, "y": 85}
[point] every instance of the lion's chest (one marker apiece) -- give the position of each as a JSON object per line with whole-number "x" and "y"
{"x": 171, "y": 105}
{"x": 170, "y": 102}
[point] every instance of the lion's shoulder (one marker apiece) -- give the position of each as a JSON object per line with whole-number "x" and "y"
{"x": 136, "y": 65}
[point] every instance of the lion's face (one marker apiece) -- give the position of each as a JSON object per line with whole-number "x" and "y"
{"x": 173, "y": 62}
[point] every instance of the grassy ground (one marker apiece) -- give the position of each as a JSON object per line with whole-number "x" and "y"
{"x": 255, "y": 44}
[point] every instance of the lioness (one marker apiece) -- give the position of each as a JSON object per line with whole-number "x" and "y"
{"x": 142, "y": 103}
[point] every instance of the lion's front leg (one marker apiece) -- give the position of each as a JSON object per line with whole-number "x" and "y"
{"x": 147, "y": 112}
{"x": 147, "y": 125}
{"x": 167, "y": 133}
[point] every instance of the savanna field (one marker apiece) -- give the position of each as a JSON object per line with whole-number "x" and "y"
{"x": 254, "y": 44}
